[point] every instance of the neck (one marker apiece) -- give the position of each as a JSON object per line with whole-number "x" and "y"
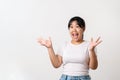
{"x": 77, "y": 42}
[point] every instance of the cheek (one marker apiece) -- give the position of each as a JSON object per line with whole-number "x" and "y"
{"x": 70, "y": 31}
{"x": 80, "y": 31}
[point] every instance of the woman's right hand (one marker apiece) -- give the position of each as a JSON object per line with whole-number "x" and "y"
{"x": 46, "y": 43}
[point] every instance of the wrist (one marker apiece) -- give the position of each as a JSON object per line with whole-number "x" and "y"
{"x": 92, "y": 49}
{"x": 49, "y": 48}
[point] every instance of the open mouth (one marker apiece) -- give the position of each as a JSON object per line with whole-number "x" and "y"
{"x": 75, "y": 35}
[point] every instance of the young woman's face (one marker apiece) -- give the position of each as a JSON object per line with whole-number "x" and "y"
{"x": 76, "y": 32}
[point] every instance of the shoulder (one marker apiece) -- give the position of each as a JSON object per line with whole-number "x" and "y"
{"x": 86, "y": 43}
{"x": 64, "y": 44}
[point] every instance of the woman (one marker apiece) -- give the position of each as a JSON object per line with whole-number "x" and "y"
{"x": 77, "y": 56}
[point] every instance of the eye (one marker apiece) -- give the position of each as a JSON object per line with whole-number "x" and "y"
{"x": 77, "y": 26}
{"x": 71, "y": 26}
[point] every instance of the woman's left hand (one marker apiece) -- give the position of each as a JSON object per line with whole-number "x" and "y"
{"x": 93, "y": 43}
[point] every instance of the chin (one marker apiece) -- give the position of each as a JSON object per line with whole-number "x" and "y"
{"x": 76, "y": 40}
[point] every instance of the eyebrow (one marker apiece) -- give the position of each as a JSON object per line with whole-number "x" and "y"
{"x": 76, "y": 25}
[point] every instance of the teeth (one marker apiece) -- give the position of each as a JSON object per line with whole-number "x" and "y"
{"x": 75, "y": 35}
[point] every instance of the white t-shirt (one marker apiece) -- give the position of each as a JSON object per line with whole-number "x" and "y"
{"x": 75, "y": 59}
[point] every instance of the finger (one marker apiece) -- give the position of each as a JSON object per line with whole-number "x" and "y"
{"x": 43, "y": 43}
{"x": 91, "y": 39}
{"x": 40, "y": 38}
{"x": 98, "y": 39}
{"x": 98, "y": 42}
{"x": 40, "y": 41}
{"x": 49, "y": 38}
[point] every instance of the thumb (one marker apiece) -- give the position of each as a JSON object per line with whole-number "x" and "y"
{"x": 91, "y": 39}
{"x": 49, "y": 38}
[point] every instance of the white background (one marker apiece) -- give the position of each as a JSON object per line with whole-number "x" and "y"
{"x": 23, "y": 21}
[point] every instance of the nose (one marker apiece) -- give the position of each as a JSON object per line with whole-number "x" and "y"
{"x": 74, "y": 29}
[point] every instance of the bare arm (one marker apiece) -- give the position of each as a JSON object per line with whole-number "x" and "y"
{"x": 93, "y": 63}
{"x": 56, "y": 60}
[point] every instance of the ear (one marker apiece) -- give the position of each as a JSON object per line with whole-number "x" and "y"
{"x": 83, "y": 29}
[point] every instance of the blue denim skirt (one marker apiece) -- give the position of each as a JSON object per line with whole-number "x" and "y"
{"x": 66, "y": 77}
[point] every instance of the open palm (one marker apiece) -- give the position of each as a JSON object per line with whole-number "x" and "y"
{"x": 93, "y": 43}
{"x": 46, "y": 43}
